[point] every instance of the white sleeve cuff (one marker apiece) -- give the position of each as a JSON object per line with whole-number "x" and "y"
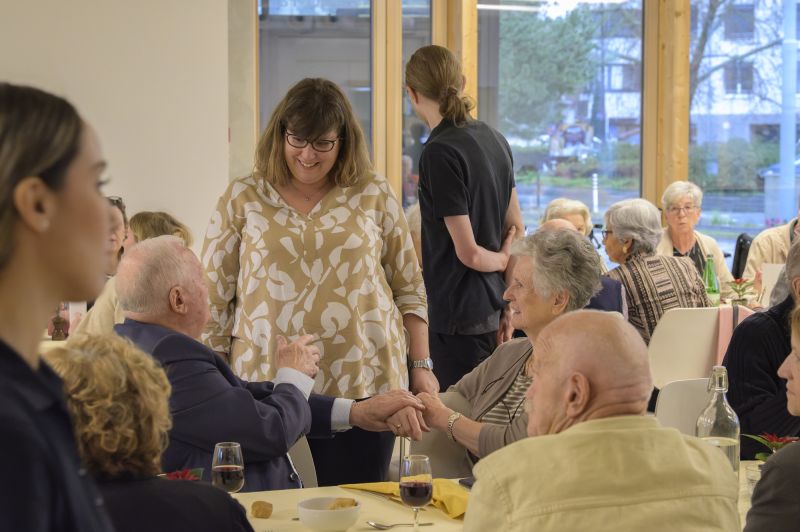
{"x": 291, "y": 376}
{"x": 340, "y": 414}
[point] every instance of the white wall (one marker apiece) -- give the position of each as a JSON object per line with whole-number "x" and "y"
{"x": 151, "y": 76}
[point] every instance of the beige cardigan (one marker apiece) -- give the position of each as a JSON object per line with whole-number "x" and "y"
{"x": 485, "y": 385}
{"x": 707, "y": 245}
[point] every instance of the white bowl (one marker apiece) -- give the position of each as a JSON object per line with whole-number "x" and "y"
{"x": 314, "y": 514}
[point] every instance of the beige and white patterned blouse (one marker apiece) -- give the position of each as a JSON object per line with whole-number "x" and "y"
{"x": 346, "y": 272}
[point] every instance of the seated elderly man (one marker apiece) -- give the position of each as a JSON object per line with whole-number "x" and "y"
{"x": 770, "y": 246}
{"x": 596, "y": 461}
{"x": 775, "y": 506}
{"x": 161, "y": 289}
{"x": 557, "y": 271}
{"x": 758, "y": 347}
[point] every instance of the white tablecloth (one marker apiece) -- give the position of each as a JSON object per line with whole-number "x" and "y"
{"x": 374, "y": 507}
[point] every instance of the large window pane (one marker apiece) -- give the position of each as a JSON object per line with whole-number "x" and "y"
{"x": 416, "y": 33}
{"x": 316, "y": 38}
{"x": 562, "y": 82}
{"x": 743, "y": 85}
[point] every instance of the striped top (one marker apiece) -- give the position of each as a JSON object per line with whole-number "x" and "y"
{"x": 510, "y": 405}
{"x": 655, "y": 284}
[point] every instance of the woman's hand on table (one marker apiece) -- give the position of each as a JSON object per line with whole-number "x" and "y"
{"x": 374, "y": 413}
{"x": 423, "y": 380}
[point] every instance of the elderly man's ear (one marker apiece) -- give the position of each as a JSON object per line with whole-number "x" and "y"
{"x": 577, "y": 391}
{"x": 177, "y": 300}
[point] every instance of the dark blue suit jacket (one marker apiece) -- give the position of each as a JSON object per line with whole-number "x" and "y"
{"x": 609, "y": 298}
{"x": 209, "y": 404}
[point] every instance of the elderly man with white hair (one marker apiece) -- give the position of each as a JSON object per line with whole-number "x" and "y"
{"x": 595, "y": 461}
{"x": 161, "y": 288}
{"x": 682, "y": 202}
{"x": 653, "y": 283}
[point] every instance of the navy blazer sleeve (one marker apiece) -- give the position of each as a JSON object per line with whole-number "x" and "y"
{"x": 321, "y": 407}
{"x": 210, "y": 405}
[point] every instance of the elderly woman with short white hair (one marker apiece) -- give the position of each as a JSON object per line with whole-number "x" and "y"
{"x": 574, "y": 211}
{"x": 682, "y": 202}
{"x": 653, "y": 283}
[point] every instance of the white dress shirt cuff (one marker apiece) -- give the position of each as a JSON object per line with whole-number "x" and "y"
{"x": 303, "y": 382}
{"x": 340, "y": 414}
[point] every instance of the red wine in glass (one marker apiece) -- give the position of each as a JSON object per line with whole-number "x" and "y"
{"x": 416, "y": 494}
{"x": 227, "y": 467}
{"x": 416, "y": 483}
{"x": 228, "y": 477}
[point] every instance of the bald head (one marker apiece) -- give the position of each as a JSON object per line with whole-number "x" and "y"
{"x": 160, "y": 280}
{"x": 599, "y": 366}
{"x": 557, "y": 223}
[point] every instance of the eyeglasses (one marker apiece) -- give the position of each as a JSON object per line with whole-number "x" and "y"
{"x": 606, "y": 232}
{"x": 677, "y": 210}
{"x": 117, "y": 202}
{"x": 320, "y": 145}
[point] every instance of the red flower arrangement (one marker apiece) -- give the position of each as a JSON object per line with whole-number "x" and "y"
{"x": 185, "y": 474}
{"x": 772, "y": 442}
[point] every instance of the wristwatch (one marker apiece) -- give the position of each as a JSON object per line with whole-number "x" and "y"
{"x": 425, "y": 363}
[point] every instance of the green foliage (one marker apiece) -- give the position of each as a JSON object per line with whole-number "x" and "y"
{"x": 541, "y": 60}
{"x": 730, "y": 166}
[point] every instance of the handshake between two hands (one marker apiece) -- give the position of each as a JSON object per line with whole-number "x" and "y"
{"x": 397, "y": 410}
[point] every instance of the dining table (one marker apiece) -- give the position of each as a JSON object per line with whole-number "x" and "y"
{"x": 383, "y": 509}
{"x": 374, "y": 507}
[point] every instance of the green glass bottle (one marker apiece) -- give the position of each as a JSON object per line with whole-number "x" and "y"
{"x": 711, "y": 282}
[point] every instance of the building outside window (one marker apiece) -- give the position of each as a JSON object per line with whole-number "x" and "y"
{"x": 737, "y": 103}
{"x": 562, "y": 82}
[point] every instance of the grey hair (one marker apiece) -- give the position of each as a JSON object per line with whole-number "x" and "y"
{"x": 793, "y": 262}
{"x": 637, "y": 219}
{"x": 147, "y": 273}
{"x": 561, "y": 207}
{"x": 563, "y": 260}
{"x": 675, "y": 191}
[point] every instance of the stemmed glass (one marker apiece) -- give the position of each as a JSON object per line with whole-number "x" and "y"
{"x": 416, "y": 483}
{"x": 227, "y": 467}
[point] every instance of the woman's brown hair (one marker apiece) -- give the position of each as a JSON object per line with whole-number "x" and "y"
{"x": 311, "y": 109}
{"x": 434, "y": 72}
{"x": 118, "y": 398}
{"x": 40, "y": 135}
{"x": 149, "y": 224}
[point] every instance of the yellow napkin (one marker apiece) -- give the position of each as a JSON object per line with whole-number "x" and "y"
{"x": 448, "y": 496}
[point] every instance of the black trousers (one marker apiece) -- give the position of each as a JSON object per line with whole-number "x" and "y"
{"x": 455, "y": 355}
{"x": 352, "y": 456}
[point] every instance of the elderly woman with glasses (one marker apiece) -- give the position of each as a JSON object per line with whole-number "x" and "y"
{"x": 314, "y": 246}
{"x": 557, "y": 271}
{"x": 682, "y": 203}
{"x": 653, "y": 283}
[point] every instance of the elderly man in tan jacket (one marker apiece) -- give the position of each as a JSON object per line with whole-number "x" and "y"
{"x": 596, "y": 461}
{"x": 770, "y": 246}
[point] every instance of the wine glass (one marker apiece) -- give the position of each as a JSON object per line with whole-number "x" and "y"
{"x": 416, "y": 483}
{"x": 227, "y": 467}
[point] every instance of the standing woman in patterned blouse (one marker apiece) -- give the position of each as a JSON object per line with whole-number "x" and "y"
{"x": 315, "y": 243}
{"x": 653, "y": 283}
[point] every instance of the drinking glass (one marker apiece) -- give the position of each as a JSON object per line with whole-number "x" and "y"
{"x": 227, "y": 467}
{"x": 416, "y": 483}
